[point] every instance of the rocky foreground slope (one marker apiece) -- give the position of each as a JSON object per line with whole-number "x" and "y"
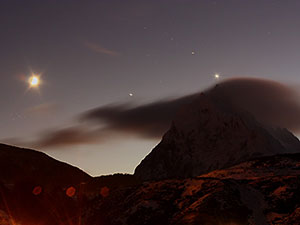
{"x": 261, "y": 191}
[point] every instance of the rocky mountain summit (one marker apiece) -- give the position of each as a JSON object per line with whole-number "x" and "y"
{"x": 211, "y": 133}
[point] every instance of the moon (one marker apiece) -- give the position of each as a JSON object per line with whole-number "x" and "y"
{"x": 34, "y": 81}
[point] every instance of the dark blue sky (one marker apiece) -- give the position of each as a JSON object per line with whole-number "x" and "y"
{"x": 93, "y": 53}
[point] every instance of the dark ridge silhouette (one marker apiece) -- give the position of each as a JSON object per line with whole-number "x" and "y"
{"x": 33, "y": 187}
{"x": 19, "y": 164}
{"x": 112, "y": 182}
{"x": 37, "y": 189}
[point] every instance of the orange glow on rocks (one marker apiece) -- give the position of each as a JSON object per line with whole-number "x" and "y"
{"x": 71, "y": 191}
{"x": 37, "y": 190}
{"x": 104, "y": 192}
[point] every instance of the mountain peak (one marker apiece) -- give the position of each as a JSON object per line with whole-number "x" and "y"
{"x": 210, "y": 133}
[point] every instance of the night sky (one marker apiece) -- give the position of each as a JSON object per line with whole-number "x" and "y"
{"x": 91, "y": 54}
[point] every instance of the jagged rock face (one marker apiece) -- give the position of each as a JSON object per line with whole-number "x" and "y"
{"x": 262, "y": 191}
{"x": 210, "y": 134}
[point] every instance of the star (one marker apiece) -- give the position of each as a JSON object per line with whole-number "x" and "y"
{"x": 217, "y": 76}
{"x": 130, "y": 94}
{"x": 193, "y": 53}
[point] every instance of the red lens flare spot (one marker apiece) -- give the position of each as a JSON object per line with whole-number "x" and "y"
{"x": 37, "y": 190}
{"x": 104, "y": 192}
{"x": 71, "y": 191}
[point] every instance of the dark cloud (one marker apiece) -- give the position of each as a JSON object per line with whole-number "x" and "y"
{"x": 65, "y": 137}
{"x": 269, "y": 101}
{"x": 150, "y": 120}
{"x": 146, "y": 121}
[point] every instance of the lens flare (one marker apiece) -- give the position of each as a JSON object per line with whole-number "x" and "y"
{"x": 104, "y": 192}
{"x": 71, "y": 191}
{"x": 37, "y": 190}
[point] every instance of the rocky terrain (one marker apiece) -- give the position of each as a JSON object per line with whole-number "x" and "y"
{"x": 265, "y": 190}
{"x": 261, "y": 191}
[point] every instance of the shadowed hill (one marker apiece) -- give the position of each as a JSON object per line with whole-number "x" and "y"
{"x": 18, "y": 164}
